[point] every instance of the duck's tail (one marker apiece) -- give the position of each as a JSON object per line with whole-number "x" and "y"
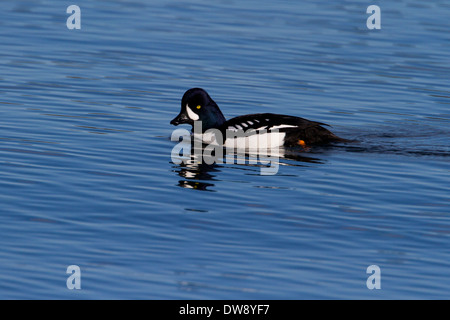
{"x": 314, "y": 136}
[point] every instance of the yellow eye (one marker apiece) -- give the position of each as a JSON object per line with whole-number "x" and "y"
{"x": 199, "y": 106}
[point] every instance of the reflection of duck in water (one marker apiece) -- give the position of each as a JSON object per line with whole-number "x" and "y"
{"x": 194, "y": 185}
{"x": 194, "y": 171}
{"x": 199, "y": 175}
{"x": 280, "y": 130}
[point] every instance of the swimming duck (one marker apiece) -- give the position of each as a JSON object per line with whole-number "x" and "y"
{"x": 279, "y": 130}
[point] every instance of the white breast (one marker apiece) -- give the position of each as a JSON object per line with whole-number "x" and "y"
{"x": 266, "y": 140}
{"x": 206, "y": 138}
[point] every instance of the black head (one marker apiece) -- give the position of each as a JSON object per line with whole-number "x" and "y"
{"x": 196, "y": 104}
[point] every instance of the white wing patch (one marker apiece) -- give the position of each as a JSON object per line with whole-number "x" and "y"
{"x": 283, "y": 126}
{"x": 238, "y": 127}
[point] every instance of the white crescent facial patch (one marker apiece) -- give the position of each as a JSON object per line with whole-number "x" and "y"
{"x": 191, "y": 114}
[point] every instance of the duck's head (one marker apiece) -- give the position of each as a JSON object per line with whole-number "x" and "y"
{"x": 197, "y": 105}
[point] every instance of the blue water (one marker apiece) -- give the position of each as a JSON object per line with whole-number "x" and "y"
{"x": 87, "y": 177}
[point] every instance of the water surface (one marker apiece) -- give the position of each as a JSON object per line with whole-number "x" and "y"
{"x": 87, "y": 178}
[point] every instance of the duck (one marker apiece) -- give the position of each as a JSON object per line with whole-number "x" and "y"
{"x": 250, "y": 131}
